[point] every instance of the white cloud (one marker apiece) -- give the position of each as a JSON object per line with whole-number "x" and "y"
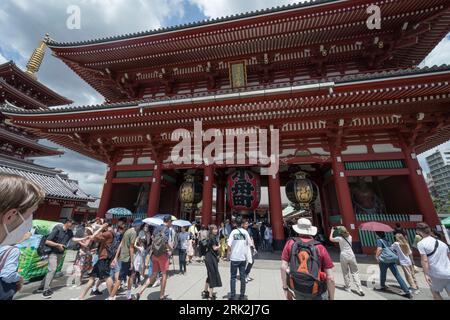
{"x": 220, "y": 8}
{"x": 440, "y": 55}
{"x": 2, "y": 59}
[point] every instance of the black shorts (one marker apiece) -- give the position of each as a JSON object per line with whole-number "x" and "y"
{"x": 101, "y": 270}
{"x": 125, "y": 271}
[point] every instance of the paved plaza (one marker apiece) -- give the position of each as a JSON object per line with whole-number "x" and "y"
{"x": 266, "y": 284}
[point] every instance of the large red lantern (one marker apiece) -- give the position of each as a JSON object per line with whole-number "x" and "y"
{"x": 244, "y": 190}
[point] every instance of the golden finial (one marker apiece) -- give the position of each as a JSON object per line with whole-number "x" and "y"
{"x": 37, "y": 57}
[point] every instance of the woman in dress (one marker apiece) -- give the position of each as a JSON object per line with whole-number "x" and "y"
{"x": 139, "y": 262}
{"x": 83, "y": 260}
{"x": 190, "y": 250}
{"x": 222, "y": 242}
{"x": 212, "y": 264}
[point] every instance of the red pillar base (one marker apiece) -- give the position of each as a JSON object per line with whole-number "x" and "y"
{"x": 276, "y": 214}
{"x": 208, "y": 182}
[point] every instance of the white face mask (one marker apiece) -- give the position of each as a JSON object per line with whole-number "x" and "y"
{"x": 12, "y": 238}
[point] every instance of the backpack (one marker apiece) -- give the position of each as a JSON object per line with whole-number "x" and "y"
{"x": 112, "y": 249}
{"x": 305, "y": 275}
{"x": 387, "y": 254}
{"x": 159, "y": 244}
{"x": 43, "y": 249}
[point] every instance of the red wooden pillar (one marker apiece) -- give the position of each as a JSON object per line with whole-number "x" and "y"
{"x": 343, "y": 194}
{"x": 155, "y": 191}
{"x": 420, "y": 188}
{"x": 276, "y": 211}
{"x": 325, "y": 208}
{"x": 220, "y": 203}
{"x": 208, "y": 183}
{"x": 106, "y": 193}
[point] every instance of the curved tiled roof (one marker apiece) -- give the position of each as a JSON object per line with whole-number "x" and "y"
{"x": 56, "y": 185}
{"x": 56, "y": 98}
{"x": 52, "y": 43}
{"x": 337, "y": 79}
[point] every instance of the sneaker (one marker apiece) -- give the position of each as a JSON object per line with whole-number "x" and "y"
{"x": 417, "y": 291}
{"x": 110, "y": 299}
{"x": 38, "y": 291}
{"x": 407, "y": 295}
{"x": 137, "y": 296}
{"x": 156, "y": 284}
{"x": 96, "y": 293}
{"x": 47, "y": 294}
{"x": 361, "y": 293}
{"x": 249, "y": 279}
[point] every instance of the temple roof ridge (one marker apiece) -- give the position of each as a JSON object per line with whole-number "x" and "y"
{"x": 237, "y": 16}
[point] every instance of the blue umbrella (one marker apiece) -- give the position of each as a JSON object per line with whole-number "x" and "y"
{"x": 162, "y": 216}
{"x": 154, "y": 222}
{"x": 182, "y": 223}
{"x": 120, "y": 212}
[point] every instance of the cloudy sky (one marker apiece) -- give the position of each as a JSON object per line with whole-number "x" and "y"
{"x": 24, "y": 22}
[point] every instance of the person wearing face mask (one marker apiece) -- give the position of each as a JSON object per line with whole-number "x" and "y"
{"x": 19, "y": 199}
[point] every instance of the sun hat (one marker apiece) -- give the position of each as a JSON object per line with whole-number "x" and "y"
{"x": 305, "y": 227}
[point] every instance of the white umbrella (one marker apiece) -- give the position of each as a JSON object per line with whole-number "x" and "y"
{"x": 182, "y": 223}
{"x": 154, "y": 222}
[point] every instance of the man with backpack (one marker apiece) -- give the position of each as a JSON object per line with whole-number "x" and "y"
{"x": 160, "y": 252}
{"x": 105, "y": 237}
{"x": 306, "y": 266}
{"x": 55, "y": 245}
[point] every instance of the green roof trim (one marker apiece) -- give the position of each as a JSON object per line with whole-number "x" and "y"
{"x": 378, "y": 165}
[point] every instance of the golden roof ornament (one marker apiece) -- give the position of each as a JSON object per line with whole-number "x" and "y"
{"x": 37, "y": 57}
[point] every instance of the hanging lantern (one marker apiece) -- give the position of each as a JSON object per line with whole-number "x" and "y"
{"x": 301, "y": 191}
{"x": 190, "y": 191}
{"x": 244, "y": 190}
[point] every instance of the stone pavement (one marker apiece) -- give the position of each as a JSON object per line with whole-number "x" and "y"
{"x": 266, "y": 286}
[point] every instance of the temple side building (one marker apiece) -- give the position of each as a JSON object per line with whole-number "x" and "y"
{"x": 19, "y": 146}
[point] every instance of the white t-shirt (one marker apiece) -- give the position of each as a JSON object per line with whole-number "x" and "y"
{"x": 239, "y": 243}
{"x": 346, "y": 248}
{"x": 404, "y": 259}
{"x": 268, "y": 234}
{"x": 439, "y": 262}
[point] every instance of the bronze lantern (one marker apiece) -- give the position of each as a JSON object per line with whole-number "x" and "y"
{"x": 301, "y": 191}
{"x": 191, "y": 191}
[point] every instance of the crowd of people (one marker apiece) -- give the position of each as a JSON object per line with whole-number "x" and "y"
{"x": 136, "y": 255}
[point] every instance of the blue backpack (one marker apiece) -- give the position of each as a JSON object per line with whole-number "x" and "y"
{"x": 387, "y": 255}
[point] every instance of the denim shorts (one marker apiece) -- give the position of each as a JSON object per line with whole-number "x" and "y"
{"x": 150, "y": 268}
{"x": 115, "y": 270}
